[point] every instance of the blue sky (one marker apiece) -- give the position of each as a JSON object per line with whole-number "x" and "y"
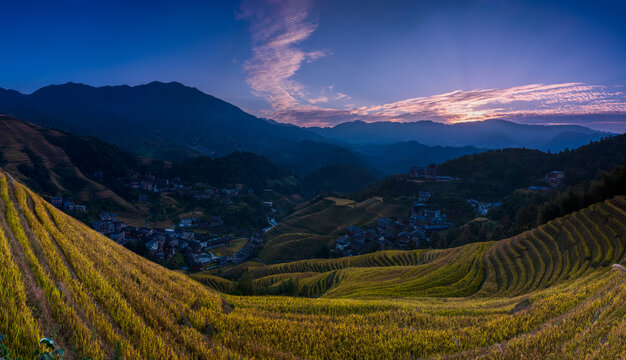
{"x": 322, "y": 62}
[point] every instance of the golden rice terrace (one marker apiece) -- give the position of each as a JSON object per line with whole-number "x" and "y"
{"x": 557, "y": 291}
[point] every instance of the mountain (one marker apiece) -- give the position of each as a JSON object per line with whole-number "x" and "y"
{"x": 488, "y": 134}
{"x": 341, "y": 178}
{"x": 37, "y": 156}
{"x": 398, "y": 158}
{"x": 170, "y": 121}
{"x": 56, "y": 163}
{"x": 160, "y": 120}
{"x": 505, "y": 170}
{"x": 549, "y": 292}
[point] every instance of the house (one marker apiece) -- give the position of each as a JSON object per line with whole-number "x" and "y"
{"x": 342, "y": 243}
{"x": 142, "y": 198}
{"x": 119, "y": 237}
{"x": 152, "y": 245}
{"x": 418, "y": 237}
{"x": 80, "y": 208}
{"x": 353, "y": 230}
{"x": 105, "y": 227}
{"x": 431, "y": 228}
{"x": 403, "y": 239}
{"x": 384, "y": 224}
{"x": 68, "y": 205}
{"x": 57, "y": 202}
{"x": 195, "y": 246}
{"x": 107, "y": 216}
{"x": 370, "y": 235}
{"x": 186, "y": 222}
{"x": 424, "y": 195}
{"x": 555, "y": 178}
{"x": 429, "y": 172}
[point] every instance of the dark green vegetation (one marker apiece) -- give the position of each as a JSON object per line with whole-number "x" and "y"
{"x": 398, "y": 158}
{"x": 38, "y": 157}
{"x": 576, "y": 198}
{"x": 60, "y": 164}
{"x": 593, "y": 173}
{"x": 338, "y": 178}
{"x": 494, "y": 174}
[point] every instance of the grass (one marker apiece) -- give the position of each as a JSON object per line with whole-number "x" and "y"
{"x": 229, "y": 250}
{"x": 537, "y": 295}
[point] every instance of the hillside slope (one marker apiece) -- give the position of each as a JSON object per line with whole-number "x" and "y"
{"x": 315, "y": 224}
{"x": 61, "y": 280}
{"x": 565, "y": 248}
{"x": 33, "y": 154}
{"x": 170, "y": 121}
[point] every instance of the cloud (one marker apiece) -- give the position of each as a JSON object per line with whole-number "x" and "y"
{"x": 519, "y": 103}
{"x": 278, "y": 27}
{"x": 321, "y": 99}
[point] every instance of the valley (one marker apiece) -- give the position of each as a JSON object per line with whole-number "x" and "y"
{"x": 313, "y": 180}
{"x": 548, "y": 291}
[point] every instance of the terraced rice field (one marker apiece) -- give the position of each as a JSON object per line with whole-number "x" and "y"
{"x": 563, "y": 249}
{"x": 553, "y": 292}
{"x": 302, "y": 233}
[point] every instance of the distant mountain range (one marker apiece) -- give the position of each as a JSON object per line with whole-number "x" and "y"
{"x": 184, "y": 118}
{"x": 488, "y": 134}
{"x": 170, "y": 121}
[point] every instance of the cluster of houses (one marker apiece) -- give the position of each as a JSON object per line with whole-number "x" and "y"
{"x": 403, "y": 232}
{"x": 149, "y": 183}
{"x": 428, "y": 173}
{"x": 482, "y": 208}
{"x": 108, "y": 225}
{"x": 215, "y": 224}
{"x": 164, "y": 244}
{"x": 67, "y": 204}
{"x": 553, "y": 178}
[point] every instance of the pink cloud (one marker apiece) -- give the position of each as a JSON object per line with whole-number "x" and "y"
{"x": 567, "y": 99}
{"x": 279, "y": 27}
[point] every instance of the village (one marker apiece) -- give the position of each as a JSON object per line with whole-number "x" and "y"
{"x": 192, "y": 240}
{"x": 402, "y": 232}
{"x": 149, "y": 183}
